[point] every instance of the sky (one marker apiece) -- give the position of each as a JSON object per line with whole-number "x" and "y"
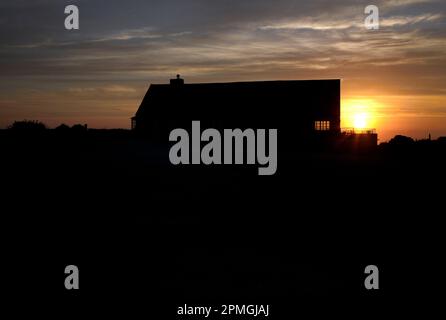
{"x": 393, "y": 79}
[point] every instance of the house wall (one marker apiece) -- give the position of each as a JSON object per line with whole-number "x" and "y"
{"x": 291, "y": 107}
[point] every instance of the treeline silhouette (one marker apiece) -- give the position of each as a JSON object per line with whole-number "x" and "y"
{"x": 27, "y": 125}
{"x": 399, "y": 142}
{"x": 35, "y": 125}
{"x": 35, "y": 128}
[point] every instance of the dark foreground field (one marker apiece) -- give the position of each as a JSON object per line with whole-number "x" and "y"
{"x": 147, "y": 235}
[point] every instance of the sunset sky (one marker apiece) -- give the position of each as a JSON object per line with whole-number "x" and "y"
{"x": 394, "y": 78}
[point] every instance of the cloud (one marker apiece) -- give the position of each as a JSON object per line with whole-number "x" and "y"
{"x": 399, "y": 3}
{"x": 311, "y": 24}
{"x": 142, "y": 33}
{"x": 323, "y": 23}
{"x": 410, "y": 20}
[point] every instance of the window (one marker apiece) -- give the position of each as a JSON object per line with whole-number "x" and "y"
{"x": 322, "y": 125}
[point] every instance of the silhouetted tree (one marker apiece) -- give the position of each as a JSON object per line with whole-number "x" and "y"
{"x": 79, "y": 128}
{"x": 27, "y": 125}
{"x": 400, "y": 140}
{"x": 442, "y": 140}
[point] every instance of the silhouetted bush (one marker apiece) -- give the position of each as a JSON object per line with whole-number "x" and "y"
{"x": 79, "y": 128}
{"x": 27, "y": 125}
{"x": 400, "y": 140}
{"x": 442, "y": 141}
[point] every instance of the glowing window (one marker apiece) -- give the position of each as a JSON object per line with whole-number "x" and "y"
{"x": 322, "y": 125}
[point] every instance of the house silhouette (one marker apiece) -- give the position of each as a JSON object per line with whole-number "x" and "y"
{"x": 299, "y": 109}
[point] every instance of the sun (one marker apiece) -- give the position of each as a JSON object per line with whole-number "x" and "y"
{"x": 360, "y": 120}
{"x": 359, "y": 114}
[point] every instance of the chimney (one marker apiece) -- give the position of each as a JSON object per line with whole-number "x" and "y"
{"x": 177, "y": 82}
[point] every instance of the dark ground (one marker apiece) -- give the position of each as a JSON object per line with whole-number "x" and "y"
{"x": 148, "y": 236}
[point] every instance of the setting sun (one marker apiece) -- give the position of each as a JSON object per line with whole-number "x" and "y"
{"x": 359, "y": 114}
{"x": 360, "y": 121}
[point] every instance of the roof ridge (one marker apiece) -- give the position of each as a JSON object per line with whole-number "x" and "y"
{"x": 250, "y": 82}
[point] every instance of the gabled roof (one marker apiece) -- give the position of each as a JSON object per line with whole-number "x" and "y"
{"x": 248, "y": 94}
